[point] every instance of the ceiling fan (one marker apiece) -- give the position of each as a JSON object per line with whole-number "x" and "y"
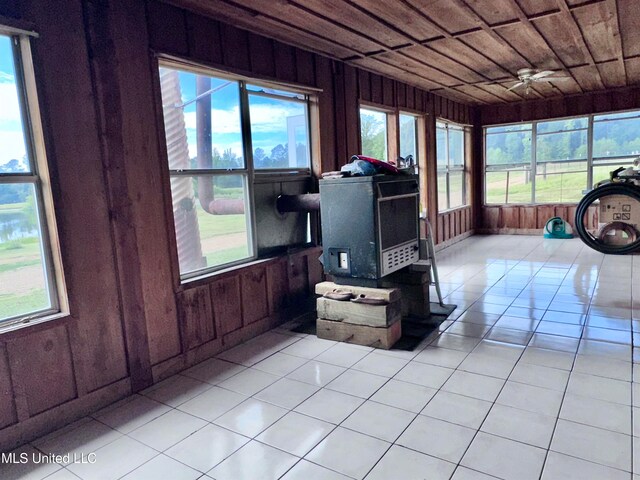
{"x": 527, "y": 76}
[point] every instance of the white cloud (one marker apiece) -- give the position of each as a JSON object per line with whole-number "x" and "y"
{"x": 264, "y": 119}
{"x": 223, "y": 121}
{"x": 8, "y": 99}
{"x": 11, "y": 139}
{"x": 6, "y": 77}
{"x": 271, "y": 118}
{"x": 11, "y": 146}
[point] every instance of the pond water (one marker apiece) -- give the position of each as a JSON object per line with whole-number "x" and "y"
{"x": 14, "y": 226}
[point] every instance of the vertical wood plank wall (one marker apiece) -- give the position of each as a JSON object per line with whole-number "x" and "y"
{"x": 131, "y": 323}
{"x": 529, "y": 218}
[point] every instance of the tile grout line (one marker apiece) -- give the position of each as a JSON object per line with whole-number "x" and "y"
{"x": 553, "y": 432}
{"x": 501, "y": 389}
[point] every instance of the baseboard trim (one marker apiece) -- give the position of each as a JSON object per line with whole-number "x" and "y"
{"x": 19, "y": 433}
{"x": 510, "y": 231}
{"x": 454, "y": 240}
{"x": 209, "y": 349}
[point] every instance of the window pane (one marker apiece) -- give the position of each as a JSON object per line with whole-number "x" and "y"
{"x": 509, "y": 186}
{"x": 495, "y": 187}
{"x": 211, "y": 220}
{"x": 561, "y": 146}
{"x": 279, "y": 133}
{"x": 441, "y": 146}
{"x": 616, "y": 138}
{"x": 202, "y": 121}
{"x": 23, "y": 281}
{"x": 615, "y": 116}
{"x": 602, "y": 171}
{"x": 13, "y": 151}
{"x": 456, "y": 189}
{"x": 560, "y": 182}
{"x": 456, "y": 147}
{"x": 408, "y": 136}
{"x": 373, "y": 133}
{"x": 442, "y": 191}
{"x": 562, "y": 125}
{"x": 509, "y": 128}
{"x": 508, "y": 148}
{"x": 273, "y": 91}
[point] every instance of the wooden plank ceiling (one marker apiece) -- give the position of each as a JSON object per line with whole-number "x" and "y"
{"x": 467, "y": 50}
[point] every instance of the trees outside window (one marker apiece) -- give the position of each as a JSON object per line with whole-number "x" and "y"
{"x": 373, "y": 134}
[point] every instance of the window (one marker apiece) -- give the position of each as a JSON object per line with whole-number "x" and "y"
{"x": 552, "y": 162}
{"x": 616, "y": 141}
{"x": 409, "y": 136}
{"x": 222, "y": 133}
{"x": 561, "y": 160}
{"x": 373, "y": 134}
{"x": 30, "y": 270}
{"x": 450, "y": 156}
{"x": 508, "y": 164}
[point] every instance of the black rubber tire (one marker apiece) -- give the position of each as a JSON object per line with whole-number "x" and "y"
{"x": 609, "y": 189}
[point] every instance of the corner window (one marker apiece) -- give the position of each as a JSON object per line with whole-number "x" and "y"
{"x": 450, "y": 159}
{"x": 221, "y": 132}
{"x": 30, "y": 269}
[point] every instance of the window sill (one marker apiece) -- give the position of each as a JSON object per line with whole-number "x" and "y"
{"x": 444, "y": 212}
{"x": 206, "y": 278}
{"x": 17, "y": 326}
{"x": 549, "y": 204}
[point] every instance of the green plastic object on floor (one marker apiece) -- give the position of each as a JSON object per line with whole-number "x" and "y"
{"x": 556, "y": 227}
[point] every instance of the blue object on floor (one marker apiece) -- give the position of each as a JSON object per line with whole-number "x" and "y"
{"x": 556, "y": 227}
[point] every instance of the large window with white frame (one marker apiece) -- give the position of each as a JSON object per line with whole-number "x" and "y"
{"x": 31, "y": 282}
{"x": 450, "y": 159}
{"x": 555, "y": 161}
{"x": 222, "y": 132}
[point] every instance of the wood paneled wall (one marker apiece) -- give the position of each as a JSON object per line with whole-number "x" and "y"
{"x": 529, "y": 219}
{"x": 532, "y": 218}
{"x": 573, "y": 105}
{"x": 131, "y": 322}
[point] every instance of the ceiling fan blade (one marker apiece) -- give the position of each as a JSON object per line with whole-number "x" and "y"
{"x": 553, "y": 79}
{"x": 543, "y": 74}
{"x": 519, "y": 84}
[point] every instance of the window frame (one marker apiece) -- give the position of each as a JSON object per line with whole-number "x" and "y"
{"x": 392, "y": 137}
{"x": 416, "y": 125}
{"x": 448, "y": 168}
{"x": 38, "y": 177}
{"x": 250, "y": 174}
{"x": 591, "y": 160}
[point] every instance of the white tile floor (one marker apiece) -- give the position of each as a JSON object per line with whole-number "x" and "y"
{"x": 533, "y": 379}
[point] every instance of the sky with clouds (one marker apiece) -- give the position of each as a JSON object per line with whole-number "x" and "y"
{"x": 268, "y": 117}
{"x": 11, "y": 137}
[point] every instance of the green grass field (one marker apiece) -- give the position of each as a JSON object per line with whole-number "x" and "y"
{"x": 12, "y": 305}
{"x": 15, "y": 255}
{"x": 556, "y": 188}
{"x": 212, "y": 226}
